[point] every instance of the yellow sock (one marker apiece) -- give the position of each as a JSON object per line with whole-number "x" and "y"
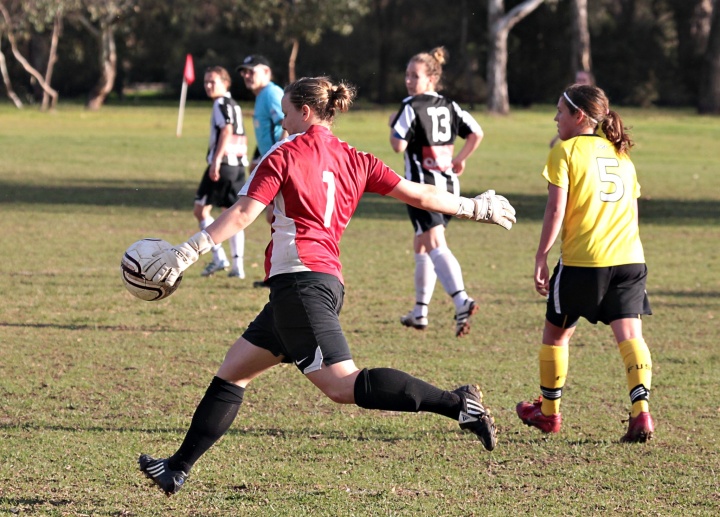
{"x": 553, "y": 371}
{"x": 638, "y": 369}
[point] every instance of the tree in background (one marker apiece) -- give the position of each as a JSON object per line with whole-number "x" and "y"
{"x": 646, "y": 52}
{"x": 101, "y": 18}
{"x": 295, "y": 21}
{"x": 20, "y": 19}
{"x": 580, "y": 54}
{"x": 6, "y": 79}
{"x": 499, "y": 25}
{"x": 709, "y": 95}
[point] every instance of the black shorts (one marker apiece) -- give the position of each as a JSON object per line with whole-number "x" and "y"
{"x": 224, "y": 192}
{"x": 422, "y": 220}
{"x": 597, "y": 294}
{"x": 300, "y": 322}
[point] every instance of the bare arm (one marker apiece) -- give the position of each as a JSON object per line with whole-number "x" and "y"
{"x": 170, "y": 264}
{"x": 398, "y": 144}
{"x": 236, "y": 218}
{"x": 552, "y": 224}
{"x": 220, "y": 151}
{"x": 488, "y": 207}
{"x": 427, "y": 197}
{"x": 471, "y": 143}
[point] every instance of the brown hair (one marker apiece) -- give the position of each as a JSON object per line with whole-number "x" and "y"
{"x": 220, "y": 71}
{"x": 321, "y": 95}
{"x": 433, "y": 61}
{"x": 594, "y": 103}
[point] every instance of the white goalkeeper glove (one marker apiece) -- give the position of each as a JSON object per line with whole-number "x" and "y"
{"x": 488, "y": 207}
{"x": 171, "y": 263}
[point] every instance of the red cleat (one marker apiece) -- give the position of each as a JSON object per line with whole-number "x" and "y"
{"x": 640, "y": 429}
{"x": 531, "y": 415}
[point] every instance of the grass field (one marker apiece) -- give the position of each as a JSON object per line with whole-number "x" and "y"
{"x": 90, "y": 377}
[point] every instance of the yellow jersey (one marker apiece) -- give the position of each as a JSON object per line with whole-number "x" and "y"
{"x": 599, "y": 227}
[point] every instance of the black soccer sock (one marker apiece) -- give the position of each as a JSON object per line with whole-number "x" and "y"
{"x": 213, "y": 417}
{"x": 393, "y": 390}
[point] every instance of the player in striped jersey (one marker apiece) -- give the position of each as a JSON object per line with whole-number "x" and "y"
{"x": 225, "y": 172}
{"x": 601, "y": 274}
{"x": 316, "y": 182}
{"x": 425, "y": 129}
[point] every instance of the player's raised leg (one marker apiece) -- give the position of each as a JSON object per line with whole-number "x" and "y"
{"x": 389, "y": 389}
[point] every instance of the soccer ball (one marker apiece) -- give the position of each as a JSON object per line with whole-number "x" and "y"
{"x": 138, "y": 256}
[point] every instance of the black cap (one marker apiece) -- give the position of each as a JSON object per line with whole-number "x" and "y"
{"x": 252, "y": 61}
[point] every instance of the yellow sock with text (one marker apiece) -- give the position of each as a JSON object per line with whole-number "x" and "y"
{"x": 553, "y": 371}
{"x": 638, "y": 369}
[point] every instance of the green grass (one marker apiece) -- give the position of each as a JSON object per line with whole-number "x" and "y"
{"x": 90, "y": 377}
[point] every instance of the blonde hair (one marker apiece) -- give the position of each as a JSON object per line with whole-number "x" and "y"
{"x": 592, "y": 101}
{"x": 326, "y": 99}
{"x": 433, "y": 61}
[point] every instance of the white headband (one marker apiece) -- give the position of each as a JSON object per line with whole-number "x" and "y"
{"x": 578, "y": 108}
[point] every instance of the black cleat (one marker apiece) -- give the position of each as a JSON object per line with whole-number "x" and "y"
{"x": 475, "y": 417}
{"x": 412, "y": 321}
{"x": 169, "y": 481}
{"x": 462, "y": 317}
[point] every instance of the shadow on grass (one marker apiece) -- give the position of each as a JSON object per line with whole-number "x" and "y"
{"x": 111, "y": 328}
{"x": 670, "y": 212}
{"x": 17, "y": 504}
{"x": 688, "y": 294}
{"x": 142, "y": 194}
{"x": 179, "y": 196}
{"x": 363, "y": 435}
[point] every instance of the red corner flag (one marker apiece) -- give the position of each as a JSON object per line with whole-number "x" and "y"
{"x": 189, "y": 74}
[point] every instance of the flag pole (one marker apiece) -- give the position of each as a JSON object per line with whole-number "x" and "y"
{"x": 181, "y": 113}
{"x": 188, "y": 78}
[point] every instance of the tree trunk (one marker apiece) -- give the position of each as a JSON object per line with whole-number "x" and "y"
{"x": 499, "y": 26}
{"x": 384, "y": 12}
{"x": 292, "y": 60}
{"x": 498, "y": 101}
{"x": 6, "y": 79}
{"x": 581, "y": 59}
{"x": 52, "y": 58}
{"x": 709, "y": 100}
{"x": 108, "y": 64}
{"x": 24, "y": 62}
{"x": 467, "y": 71}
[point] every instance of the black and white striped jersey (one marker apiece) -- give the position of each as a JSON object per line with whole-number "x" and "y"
{"x": 226, "y": 111}
{"x": 430, "y": 123}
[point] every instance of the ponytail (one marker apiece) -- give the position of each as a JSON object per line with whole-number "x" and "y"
{"x": 614, "y": 130}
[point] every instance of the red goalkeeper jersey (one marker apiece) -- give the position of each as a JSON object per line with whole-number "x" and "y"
{"x": 315, "y": 181}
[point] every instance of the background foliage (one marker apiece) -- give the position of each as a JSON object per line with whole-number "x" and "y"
{"x": 645, "y": 52}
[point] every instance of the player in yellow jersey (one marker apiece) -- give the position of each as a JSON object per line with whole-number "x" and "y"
{"x": 601, "y": 274}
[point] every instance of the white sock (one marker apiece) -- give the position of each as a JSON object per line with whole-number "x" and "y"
{"x": 237, "y": 250}
{"x": 448, "y": 271}
{"x": 206, "y": 222}
{"x": 425, "y": 278}
{"x": 218, "y": 251}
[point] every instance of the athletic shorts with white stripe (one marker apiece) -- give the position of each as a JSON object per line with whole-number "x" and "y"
{"x": 597, "y": 294}
{"x": 300, "y": 322}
